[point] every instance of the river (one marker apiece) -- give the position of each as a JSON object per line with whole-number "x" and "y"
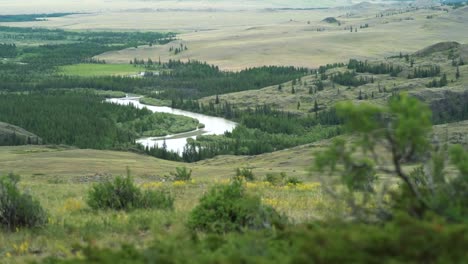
{"x": 213, "y": 125}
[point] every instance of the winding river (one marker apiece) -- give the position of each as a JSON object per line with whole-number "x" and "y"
{"x": 213, "y": 125}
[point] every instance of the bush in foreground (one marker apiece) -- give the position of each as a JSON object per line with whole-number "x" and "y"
{"x": 228, "y": 208}
{"x": 123, "y": 194}
{"x": 18, "y": 209}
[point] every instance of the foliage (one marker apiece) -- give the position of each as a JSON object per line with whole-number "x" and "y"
{"x": 440, "y": 83}
{"x": 402, "y": 129}
{"x": 381, "y": 68}
{"x": 18, "y": 209}
{"x": 425, "y": 72}
{"x": 452, "y": 108}
{"x": 182, "y": 174}
{"x": 30, "y": 17}
{"x": 277, "y": 179}
{"x": 123, "y": 194}
{"x": 228, "y": 208}
{"x": 81, "y": 119}
{"x": 349, "y": 79}
{"x": 404, "y": 240}
{"x": 245, "y": 173}
{"x": 8, "y": 50}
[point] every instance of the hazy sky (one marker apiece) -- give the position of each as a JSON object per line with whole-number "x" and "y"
{"x": 42, "y": 6}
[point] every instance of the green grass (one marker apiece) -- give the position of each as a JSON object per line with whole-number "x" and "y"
{"x": 88, "y": 70}
{"x": 154, "y": 101}
{"x": 60, "y": 178}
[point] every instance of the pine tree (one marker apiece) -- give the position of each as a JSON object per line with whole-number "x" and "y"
{"x": 217, "y": 99}
{"x": 316, "y": 107}
{"x": 443, "y": 81}
{"x": 298, "y": 105}
{"x": 457, "y": 74}
{"x": 280, "y": 87}
{"x": 293, "y": 91}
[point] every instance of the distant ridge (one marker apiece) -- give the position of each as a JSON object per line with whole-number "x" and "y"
{"x": 438, "y": 47}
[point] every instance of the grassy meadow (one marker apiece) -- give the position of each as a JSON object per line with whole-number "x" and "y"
{"x": 89, "y": 70}
{"x": 287, "y": 38}
{"x": 61, "y": 176}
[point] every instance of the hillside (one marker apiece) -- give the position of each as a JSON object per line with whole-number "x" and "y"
{"x": 378, "y": 88}
{"x": 13, "y": 135}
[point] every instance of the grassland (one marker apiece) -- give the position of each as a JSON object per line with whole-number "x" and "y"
{"x": 154, "y": 101}
{"x": 236, "y": 40}
{"x": 61, "y": 176}
{"x": 88, "y": 70}
{"x": 287, "y": 38}
{"x": 284, "y": 99}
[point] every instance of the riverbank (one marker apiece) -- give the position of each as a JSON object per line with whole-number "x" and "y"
{"x": 176, "y": 142}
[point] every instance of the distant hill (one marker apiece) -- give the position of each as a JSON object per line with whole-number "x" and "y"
{"x": 438, "y": 47}
{"x": 11, "y": 135}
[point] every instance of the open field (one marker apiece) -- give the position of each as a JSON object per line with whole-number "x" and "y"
{"x": 100, "y": 69}
{"x": 60, "y": 177}
{"x": 236, "y": 40}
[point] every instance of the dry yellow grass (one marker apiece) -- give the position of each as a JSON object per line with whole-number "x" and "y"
{"x": 235, "y": 40}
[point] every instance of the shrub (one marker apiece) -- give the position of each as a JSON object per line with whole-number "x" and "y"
{"x": 227, "y": 208}
{"x": 18, "y": 209}
{"x": 182, "y": 174}
{"x": 123, "y": 194}
{"x": 276, "y": 179}
{"x": 245, "y": 173}
{"x": 156, "y": 200}
{"x": 293, "y": 181}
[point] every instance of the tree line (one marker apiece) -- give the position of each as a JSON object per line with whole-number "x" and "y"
{"x": 76, "y": 119}
{"x": 381, "y": 68}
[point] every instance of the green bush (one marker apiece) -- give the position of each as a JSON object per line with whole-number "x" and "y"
{"x": 245, "y": 173}
{"x": 275, "y": 178}
{"x": 227, "y": 208}
{"x": 18, "y": 209}
{"x": 293, "y": 180}
{"x": 123, "y": 194}
{"x": 182, "y": 174}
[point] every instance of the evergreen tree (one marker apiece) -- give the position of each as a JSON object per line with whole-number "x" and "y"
{"x": 457, "y": 74}
{"x": 443, "y": 81}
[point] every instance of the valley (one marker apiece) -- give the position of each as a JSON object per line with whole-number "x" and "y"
{"x": 233, "y": 132}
